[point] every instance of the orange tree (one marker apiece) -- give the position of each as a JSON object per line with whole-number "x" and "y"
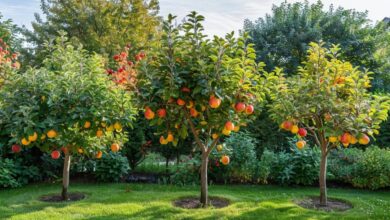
{"x": 68, "y": 105}
{"x": 328, "y": 100}
{"x": 190, "y": 85}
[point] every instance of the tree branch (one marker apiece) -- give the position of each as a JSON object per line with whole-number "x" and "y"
{"x": 197, "y": 139}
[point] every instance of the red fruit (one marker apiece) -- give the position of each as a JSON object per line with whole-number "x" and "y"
{"x": 16, "y": 148}
{"x": 345, "y": 138}
{"x": 249, "y": 109}
{"x": 240, "y": 107}
{"x": 225, "y": 160}
{"x": 55, "y": 154}
{"x": 180, "y": 102}
{"x": 116, "y": 57}
{"x": 287, "y": 125}
{"x": 149, "y": 114}
{"x": 229, "y": 126}
{"x": 185, "y": 89}
{"x": 193, "y": 112}
{"x": 302, "y": 132}
{"x": 64, "y": 149}
{"x": 161, "y": 113}
{"x": 214, "y": 102}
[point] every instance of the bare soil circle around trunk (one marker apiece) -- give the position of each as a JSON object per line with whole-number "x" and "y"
{"x": 193, "y": 202}
{"x": 333, "y": 204}
{"x": 76, "y": 196}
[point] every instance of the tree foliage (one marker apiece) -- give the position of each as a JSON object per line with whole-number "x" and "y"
{"x": 282, "y": 38}
{"x": 102, "y": 26}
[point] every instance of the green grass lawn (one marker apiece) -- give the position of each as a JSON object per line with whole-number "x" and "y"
{"x": 115, "y": 201}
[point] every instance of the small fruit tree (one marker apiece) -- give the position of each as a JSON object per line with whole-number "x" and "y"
{"x": 193, "y": 85}
{"x": 68, "y": 105}
{"x": 328, "y": 101}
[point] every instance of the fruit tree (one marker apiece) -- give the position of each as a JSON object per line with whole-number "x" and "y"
{"x": 190, "y": 85}
{"x": 328, "y": 102}
{"x": 66, "y": 107}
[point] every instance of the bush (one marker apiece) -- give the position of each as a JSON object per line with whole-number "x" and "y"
{"x": 299, "y": 167}
{"x": 14, "y": 174}
{"x": 264, "y": 166}
{"x": 112, "y": 167}
{"x": 243, "y": 157}
{"x": 341, "y": 164}
{"x": 187, "y": 172}
{"x": 372, "y": 170}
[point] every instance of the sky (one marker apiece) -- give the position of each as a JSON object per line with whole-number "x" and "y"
{"x": 222, "y": 16}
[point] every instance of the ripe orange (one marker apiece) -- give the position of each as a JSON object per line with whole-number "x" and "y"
{"x": 229, "y": 126}
{"x": 180, "y": 102}
{"x": 364, "y": 139}
{"x": 300, "y": 144}
{"x": 225, "y": 160}
{"x": 118, "y": 126}
{"x": 33, "y": 137}
{"x": 110, "y": 128}
{"x": 226, "y": 132}
{"x": 332, "y": 139}
{"x": 115, "y": 147}
{"x": 25, "y": 142}
{"x": 99, "y": 154}
{"x": 214, "y": 136}
{"x": 214, "y": 102}
{"x": 80, "y": 150}
{"x": 149, "y": 114}
{"x": 51, "y": 134}
{"x": 99, "y": 133}
{"x": 169, "y": 137}
{"x": 294, "y": 129}
{"x": 87, "y": 124}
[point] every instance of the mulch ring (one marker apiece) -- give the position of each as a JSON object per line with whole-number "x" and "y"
{"x": 194, "y": 203}
{"x": 333, "y": 204}
{"x": 58, "y": 198}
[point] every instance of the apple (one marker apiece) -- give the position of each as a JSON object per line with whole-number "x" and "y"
{"x": 240, "y": 107}
{"x": 55, "y": 154}
{"x": 364, "y": 139}
{"x": 229, "y": 126}
{"x": 287, "y": 125}
{"x": 249, "y": 109}
{"x": 180, "y": 102}
{"x": 16, "y": 148}
{"x": 149, "y": 114}
{"x": 353, "y": 140}
{"x": 193, "y": 112}
{"x": 161, "y": 113}
{"x": 185, "y": 89}
{"x": 214, "y": 102}
{"x": 345, "y": 138}
{"x": 169, "y": 137}
{"x": 302, "y": 132}
{"x": 219, "y": 147}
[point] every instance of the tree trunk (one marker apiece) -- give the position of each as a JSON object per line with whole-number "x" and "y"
{"x": 65, "y": 177}
{"x": 323, "y": 193}
{"x": 204, "y": 198}
{"x": 166, "y": 166}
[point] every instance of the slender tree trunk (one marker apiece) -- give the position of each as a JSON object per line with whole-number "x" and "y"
{"x": 65, "y": 177}
{"x": 204, "y": 198}
{"x": 323, "y": 193}
{"x": 166, "y": 165}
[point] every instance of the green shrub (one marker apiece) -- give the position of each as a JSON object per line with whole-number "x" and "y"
{"x": 341, "y": 164}
{"x": 243, "y": 159}
{"x": 186, "y": 172}
{"x": 264, "y": 166}
{"x": 112, "y": 167}
{"x": 14, "y": 174}
{"x": 372, "y": 170}
{"x": 299, "y": 167}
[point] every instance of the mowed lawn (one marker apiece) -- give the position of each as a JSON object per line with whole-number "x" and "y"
{"x": 149, "y": 201}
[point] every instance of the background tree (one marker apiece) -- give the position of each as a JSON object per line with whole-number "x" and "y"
{"x": 102, "y": 26}
{"x": 198, "y": 87}
{"x": 9, "y": 34}
{"x": 68, "y": 105}
{"x": 282, "y": 38}
{"x": 329, "y": 101}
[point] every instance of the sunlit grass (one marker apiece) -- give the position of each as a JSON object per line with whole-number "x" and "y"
{"x": 116, "y": 201}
